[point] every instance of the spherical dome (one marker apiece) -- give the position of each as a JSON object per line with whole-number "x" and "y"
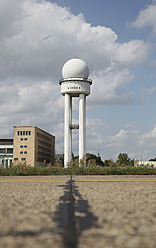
{"x": 75, "y": 68}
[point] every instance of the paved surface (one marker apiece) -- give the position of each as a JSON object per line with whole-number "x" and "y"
{"x": 82, "y": 212}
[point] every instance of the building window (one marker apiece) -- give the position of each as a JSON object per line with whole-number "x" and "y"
{"x": 21, "y": 152}
{"x": 21, "y": 139}
{"x": 21, "y": 146}
{"x": 2, "y": 150}
{"x": 74, "y": 88}
{"x": 25, "y": 152}
{"x": 10, "y": 150}
{"x": 25, "y": 146}
{"x": 44, "y": 137}
{"x": 15, "y": 159}
{"x": 23, "y": 159}
{"x": 23, "y": 132}
{"x": 25, "y": 139}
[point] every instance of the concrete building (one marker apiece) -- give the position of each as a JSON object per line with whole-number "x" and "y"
{"x": 6, "y": 152}
{"x": 151, "y": 164}
{"x": 33, "y": 145}
{"x": 75, "y": 83}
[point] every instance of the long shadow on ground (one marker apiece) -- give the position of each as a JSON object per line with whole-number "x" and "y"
{"x": 73, "y": 215}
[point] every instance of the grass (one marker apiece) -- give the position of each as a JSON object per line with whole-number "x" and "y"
{"x": 24, "y": 170}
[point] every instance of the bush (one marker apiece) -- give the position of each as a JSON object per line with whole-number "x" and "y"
{"x": 24, "y": 170}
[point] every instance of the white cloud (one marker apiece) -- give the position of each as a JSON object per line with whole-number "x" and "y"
{"x": 107, "y": 87}
{"x": 121, "y": 135}
{"x": 147, "y": 18}
{"x": 118, "y": 142}
{"x": 148, "y": 138}
{"x": 151, "y": 90}
{"x": 134, "y": 51}
{"x": 30, "y": 104}
{"x": 131, "y": 125}
{"x": 48, "y": 35}
{"x": 11, "y": 12}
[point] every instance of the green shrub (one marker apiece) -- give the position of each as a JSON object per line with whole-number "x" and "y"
{"x": 24, "y": 170}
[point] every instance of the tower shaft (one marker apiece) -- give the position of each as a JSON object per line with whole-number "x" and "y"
{"x": 67, "y": 129}
{"x": 82, "y": 127}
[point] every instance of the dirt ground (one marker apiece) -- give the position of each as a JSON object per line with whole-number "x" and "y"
{"x": 82, "y": 211}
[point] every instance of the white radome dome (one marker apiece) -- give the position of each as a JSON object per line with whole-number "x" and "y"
{"x": 75, "y": 68}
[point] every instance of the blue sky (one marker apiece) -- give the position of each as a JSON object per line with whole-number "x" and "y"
{"x": 112, "y": 13}
{"x": 117, "y": 39}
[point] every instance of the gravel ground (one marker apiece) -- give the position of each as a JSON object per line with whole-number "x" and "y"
{"x": 83, "y": 212}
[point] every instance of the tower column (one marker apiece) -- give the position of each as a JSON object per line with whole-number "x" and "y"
{"x": 67, "y": 130}
{"x": 82, "y": 126}
{"x": 75, "y": 83}
{"x": 70, "y": 123}
{"x": 85, "y": 128}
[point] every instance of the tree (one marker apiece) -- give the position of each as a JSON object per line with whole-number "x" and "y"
{"x": 97, "y": 159}
{"x": 123, "y": 159}
{"x": 109, "y": 163}
{"x": 91, "y": 159}
{"x": 152, "y": 159}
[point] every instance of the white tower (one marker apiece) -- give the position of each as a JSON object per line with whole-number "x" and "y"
{"x": 75, "y": 83}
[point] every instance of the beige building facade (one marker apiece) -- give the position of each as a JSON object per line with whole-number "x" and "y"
{"x": 33, "y": 146}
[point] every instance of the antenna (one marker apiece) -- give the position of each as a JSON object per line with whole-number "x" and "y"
{"x": 98, "y": 150}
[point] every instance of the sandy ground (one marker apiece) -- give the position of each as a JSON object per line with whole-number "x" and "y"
{"x": 83, "y": 212}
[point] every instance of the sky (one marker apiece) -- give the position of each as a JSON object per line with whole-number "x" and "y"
{"x": 117, "y": 40}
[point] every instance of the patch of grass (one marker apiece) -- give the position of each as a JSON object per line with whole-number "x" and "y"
{"x": 24, "y": 170}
